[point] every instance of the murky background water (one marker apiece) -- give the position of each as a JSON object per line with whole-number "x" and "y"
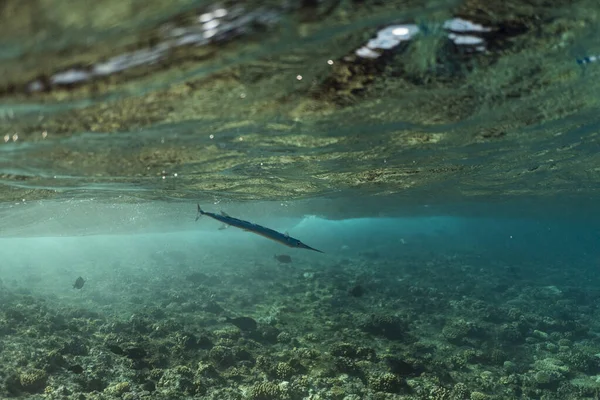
{"x": 442, "y": 155}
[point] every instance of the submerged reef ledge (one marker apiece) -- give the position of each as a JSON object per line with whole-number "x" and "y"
{"x": 366, "y": 327}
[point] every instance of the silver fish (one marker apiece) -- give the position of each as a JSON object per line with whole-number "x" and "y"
{"x": 282, "y": 238}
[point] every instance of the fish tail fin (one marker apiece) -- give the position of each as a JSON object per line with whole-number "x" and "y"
{"x": 200, "y": 212}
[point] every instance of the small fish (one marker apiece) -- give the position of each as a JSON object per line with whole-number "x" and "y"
{"x": 284, "y": 239}
{"x": 356, "y": 291}
{"x": 78, "y": 283}
{"x": 77, "y": 369}
{"x": 587, "y": 60}
{"x": 283, "y": 258}
{"x": 244, "y": 323}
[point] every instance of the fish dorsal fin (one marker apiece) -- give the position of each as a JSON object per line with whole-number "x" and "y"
{"x": 223, "y": 213}
{"x": 286, "y": 234}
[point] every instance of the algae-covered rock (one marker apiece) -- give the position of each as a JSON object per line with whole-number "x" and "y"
{"x": 546, "y": 378}
{"x": 207, "y": 374}
{"x": 540, "y": 335}
{"x": 222, "y": 356}
{"x": 118, "y": 389}
{"x": 56, "y": 392}
{"x": 352, "y": 351}
{"x": 179, "y": 380}
{"x": 347, "y": 366}
{"x": 264, "y": 364}
{"x": 299, "y": 386}
{"x": 580, "y": 361}
{"x": 460, "y": 391}
{"x": 32, "y": 380}
{"x": 512, "y": 333}
{"x": 91, "y": 382}
{"x": 549, "y": 372}
{"x": 510, "y": 366}
{"x": 284, "y": 337}
{"x": 344, "y": 350}
{"x": 284, "y": 371}
{"x": 52, "y": 361}
{"x": 189, "y": 341}
{"x": 225, "y": 393}
{"x": 385, "y": 382}
{"x": 74, "y": 346}
{"x": 551, "y": 364}
{"x": 457, "y": 330}
{"x": 564, "y": 342}
{"x": 268, "y": 391}
{"x": 390, "y": 326}
{"x": 478, "y": 396}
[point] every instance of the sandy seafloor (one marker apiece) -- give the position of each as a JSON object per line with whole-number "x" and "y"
{"x": 438, "y": 315}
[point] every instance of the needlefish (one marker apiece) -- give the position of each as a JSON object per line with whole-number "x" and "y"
{"x": 279, "y": 237}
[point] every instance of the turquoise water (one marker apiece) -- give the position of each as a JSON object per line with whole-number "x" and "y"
{"x": 456, "y": 303}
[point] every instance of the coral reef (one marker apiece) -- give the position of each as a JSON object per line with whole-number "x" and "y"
{"x": 427, "y": 337}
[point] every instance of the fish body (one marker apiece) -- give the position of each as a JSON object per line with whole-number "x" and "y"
{"x": 279, "y": 237}
{"x": 283, "y": 258}
{"x": 78, "y": 283}
{"x": 243, "y": 323}
{"x": 356, "y": 291}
